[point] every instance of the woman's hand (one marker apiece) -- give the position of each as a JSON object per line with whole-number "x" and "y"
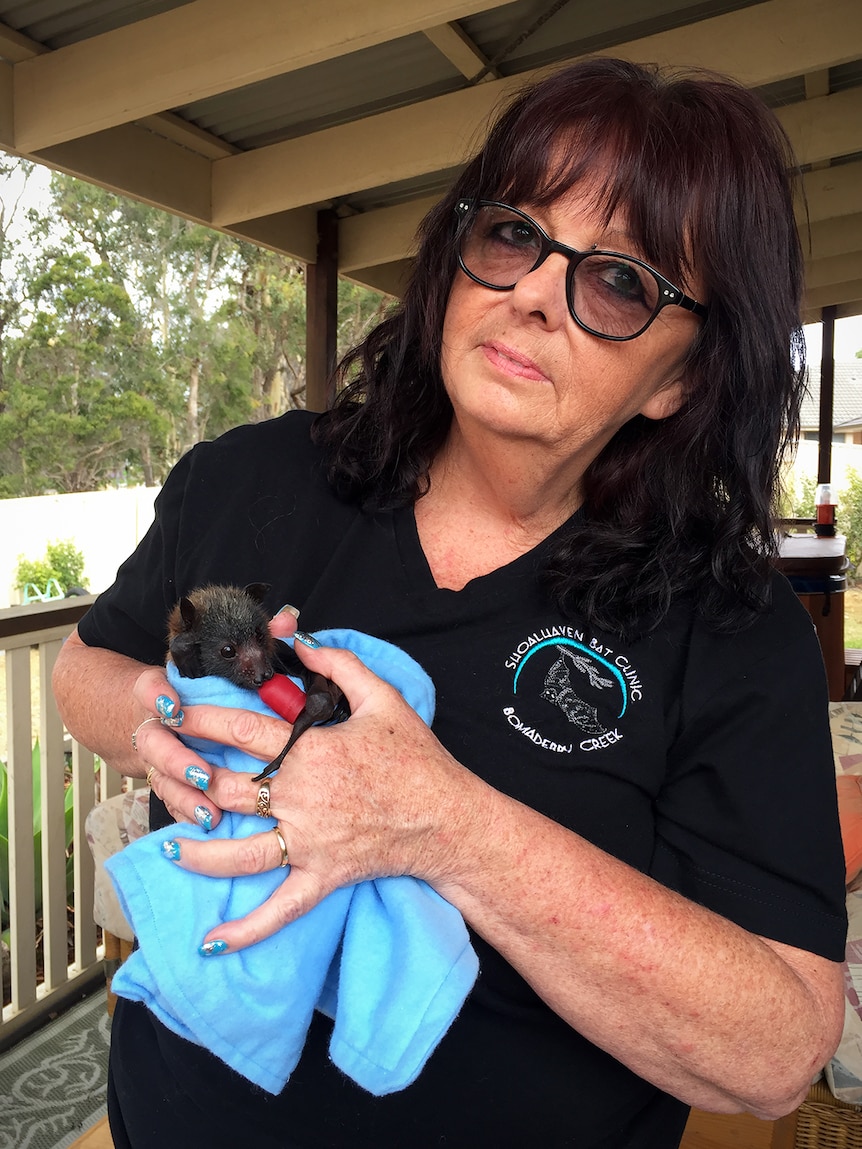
{"x": 176, "y": 774}
{"x": 363, "y": 799}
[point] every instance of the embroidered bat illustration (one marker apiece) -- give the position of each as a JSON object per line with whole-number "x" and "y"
{"x": 559, "y": 692}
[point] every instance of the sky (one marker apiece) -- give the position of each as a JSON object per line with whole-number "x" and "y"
{"x": 848, "y": 340}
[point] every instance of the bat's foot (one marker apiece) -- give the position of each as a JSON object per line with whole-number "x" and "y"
{"x": 272, "y": 767}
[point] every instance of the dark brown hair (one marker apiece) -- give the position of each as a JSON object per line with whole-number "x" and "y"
{"x": 702, "y": 170}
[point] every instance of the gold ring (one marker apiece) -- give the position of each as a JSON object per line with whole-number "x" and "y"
{"x": 138, "y": 729}
{"x": 285, "y": 861}
{"x": 150, "y": 774}
{"x": 263, "y": 810}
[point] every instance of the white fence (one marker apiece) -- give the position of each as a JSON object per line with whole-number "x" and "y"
{"x": 42, "y": 628}
{"x": 105, "y": 525}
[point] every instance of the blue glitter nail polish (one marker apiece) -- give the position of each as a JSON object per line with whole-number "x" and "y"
{"x": 197, "y": 776}
{"x": 165, "y": 706}
{"x": 208, "y": 949}
{"x": 171, "y": 850}
{"x": 306, "y": 639}
{"x": 177, "y": 719}
{"x": 204, "y": 817}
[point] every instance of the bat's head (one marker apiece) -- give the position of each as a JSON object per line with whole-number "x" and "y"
{"x": 223, "y": 630}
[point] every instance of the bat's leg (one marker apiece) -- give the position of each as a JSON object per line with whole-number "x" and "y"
{"x": 303, "y": 721}
{"x": 323, "y": 702}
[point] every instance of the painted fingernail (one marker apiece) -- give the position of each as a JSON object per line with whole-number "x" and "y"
{"x": 198, "y": 777}
{"x": 288, "y": 609}
{"x": 171, "y": 850}
{"x": 306, "y": 639}
{"x": 165, "y": 706}
{"x": 210, "y": 948}
{"x": 204, "y": 817}
{"x": 177, "y": 719}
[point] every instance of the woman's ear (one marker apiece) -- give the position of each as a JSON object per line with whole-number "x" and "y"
{"x": 666, "y": 401}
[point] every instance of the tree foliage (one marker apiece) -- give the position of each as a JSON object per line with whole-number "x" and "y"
{"x": 127, "y": 335}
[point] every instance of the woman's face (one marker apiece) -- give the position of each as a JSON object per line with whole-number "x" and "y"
{"x": 515, "y": 362}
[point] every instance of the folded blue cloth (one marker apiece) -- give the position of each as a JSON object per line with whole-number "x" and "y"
{"x": 389, "y": 960}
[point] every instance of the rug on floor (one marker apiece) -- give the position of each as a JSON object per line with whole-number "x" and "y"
{"x": 52, "y": 1084}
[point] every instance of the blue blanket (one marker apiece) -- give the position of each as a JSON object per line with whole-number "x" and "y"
{"x": 389, "y": 960}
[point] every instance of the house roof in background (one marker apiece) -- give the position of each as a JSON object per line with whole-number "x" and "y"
{"x": 847, "y": 400}
{"x": 252, "y": 116}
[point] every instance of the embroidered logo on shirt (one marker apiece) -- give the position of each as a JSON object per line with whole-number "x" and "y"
{"x": 588, "y": 684}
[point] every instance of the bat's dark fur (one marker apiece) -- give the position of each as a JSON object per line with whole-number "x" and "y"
{"x": 224, "y": 630}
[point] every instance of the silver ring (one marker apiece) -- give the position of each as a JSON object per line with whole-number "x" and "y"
{"x": 285, "y": 861}
{"x": 138, "y": 729}
{"x": 263, "y": 810}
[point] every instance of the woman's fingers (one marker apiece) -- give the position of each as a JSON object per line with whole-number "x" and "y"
{"x": 266, "y": 851}
{"x": 177, "y": 775}
{"x": 283, "y": 624}
{"x": 153, "y": 691}
{"x": 344, "y": 668}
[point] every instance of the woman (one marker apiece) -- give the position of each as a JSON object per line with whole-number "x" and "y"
{"x": 549, "y": 481}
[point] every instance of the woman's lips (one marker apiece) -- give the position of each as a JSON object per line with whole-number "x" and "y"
{"x": 512, "y": 362}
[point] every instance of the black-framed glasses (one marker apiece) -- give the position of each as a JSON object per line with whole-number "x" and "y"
{"x": 609, "y": 294}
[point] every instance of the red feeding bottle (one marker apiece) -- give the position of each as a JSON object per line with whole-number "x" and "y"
{"x": 283, "y": 696}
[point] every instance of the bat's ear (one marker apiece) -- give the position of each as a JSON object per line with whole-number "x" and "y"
{"x": 187, "y": 612}
{"x": 258, "y": 591}
{"x": 183, "y": 650}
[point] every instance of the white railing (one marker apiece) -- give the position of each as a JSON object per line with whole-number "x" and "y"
{"x": 30, "y": 640}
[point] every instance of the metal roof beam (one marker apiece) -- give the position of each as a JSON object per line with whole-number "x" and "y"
{"x": 133, "y": 161}
{"x": 198, "y": 50}
{"x": 452, "y": 42}
{"x": 833, "y": 192}
{"x": 426, "y": 137}
{"x": 826, "y": 127}
{"x": 438, "y": 134}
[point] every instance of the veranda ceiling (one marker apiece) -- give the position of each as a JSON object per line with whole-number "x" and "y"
{"x": 251, "y": 116}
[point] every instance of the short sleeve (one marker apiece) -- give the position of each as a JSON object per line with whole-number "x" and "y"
{"x": 747, "y": 821}
{"x": 131, "y": 615}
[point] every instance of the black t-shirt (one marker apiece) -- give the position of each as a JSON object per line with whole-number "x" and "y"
{"x": 701, "y": 759}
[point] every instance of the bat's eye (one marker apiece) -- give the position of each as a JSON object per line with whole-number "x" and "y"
{"x": 228, "y": 651}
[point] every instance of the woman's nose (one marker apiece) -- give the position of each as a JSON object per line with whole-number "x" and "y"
{"x": 542, "y": 292}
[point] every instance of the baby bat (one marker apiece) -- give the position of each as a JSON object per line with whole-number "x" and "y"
{"x": 224, "y": 630}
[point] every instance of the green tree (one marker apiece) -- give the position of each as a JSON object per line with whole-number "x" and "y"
{"x": 76, "y": 406}
{"x": 138, "y": 334}
{"x": 849, "y": 518}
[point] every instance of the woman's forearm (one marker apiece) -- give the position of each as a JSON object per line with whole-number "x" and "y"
{"x": 690, "y": 1001}
{"x": 93, "y": 688}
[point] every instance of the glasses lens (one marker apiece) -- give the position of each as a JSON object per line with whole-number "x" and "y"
{"x": 612, "y": 295}
{"x": 500, "y": 245}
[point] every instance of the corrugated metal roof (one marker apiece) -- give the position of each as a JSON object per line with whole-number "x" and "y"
{"x": 411, "y": 69}
{"x": 579, "y": 26}
{"x": 389, "y": 75}
{"x": 56, "y": 23}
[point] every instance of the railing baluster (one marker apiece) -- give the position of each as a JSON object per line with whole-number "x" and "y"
{"x": 54, "y": 903}
{"x": 84, "y": 783}
{"x": 22, "y": 870}
{"x": 21, "y": 628}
